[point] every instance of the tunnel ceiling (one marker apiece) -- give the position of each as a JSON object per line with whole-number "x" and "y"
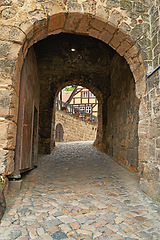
{"x": 89, "y": 63}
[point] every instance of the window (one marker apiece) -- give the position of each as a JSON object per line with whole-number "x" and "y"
{"x": 92, "y": 95}
{"x": 82, "y": 108}
{"x": 88, "y": 109}
{"x": 84, "y": 94}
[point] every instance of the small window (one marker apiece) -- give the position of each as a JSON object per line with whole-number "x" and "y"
{"x": 82, "y": 108}
{"x": 84, "y": 94}
{"x": 92, "y": 95}
{"x": 88, "y": 109}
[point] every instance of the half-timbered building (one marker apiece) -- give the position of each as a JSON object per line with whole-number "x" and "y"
{"x": 84, "y": 100}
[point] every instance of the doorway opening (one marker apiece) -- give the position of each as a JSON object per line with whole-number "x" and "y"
{"x": 97, "y": 67}
{"x": 77, "y": 111}
{"x": 59, "y": 133}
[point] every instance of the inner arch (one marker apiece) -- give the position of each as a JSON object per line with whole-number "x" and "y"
{"x": 98, "y": 67}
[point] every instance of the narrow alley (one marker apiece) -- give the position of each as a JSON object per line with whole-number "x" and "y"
{"x": 78, "y": 192}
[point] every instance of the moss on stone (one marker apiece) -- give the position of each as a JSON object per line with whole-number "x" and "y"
{"x": 145, "y": 42}
{"x": 127, "y": 5}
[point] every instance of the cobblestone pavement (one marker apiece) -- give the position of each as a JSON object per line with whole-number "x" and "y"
{"x": 80, "y": 193}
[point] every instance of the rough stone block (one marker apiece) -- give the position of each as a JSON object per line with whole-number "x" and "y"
{"x": 53, "y": 7}
{"x": 43, "y": 33}
{"x": 16, "y": 35}
{"x": 140, "y": 87}
{"x": 93, "y": 33}
{"x": 72, "y": 22}
{"x": 3, "y": 161}
{"x": 6, "y": 162}
{"x": 105, "y": 36}
{"x": 127, "y": 5}
{"x": 36, "y": 15}
{"x": 154, "y": 131}
{"x": 14, "y": 104}
{"x": 115, "y": 17}
{"x": 143, "y": 126}
{"x": 110, "y": 28}
{"x": 133, "y": 51}
{"x": 125, "y": 27}
{"x": 26, "y": 27}
{"x": 4, "y": 48}
{"x": 139, "y": 72}
{"x": 83, "y": 26}
{"x": 97, "y": 24}
{"x": 3, "y": 134}
{"x": 5, "y": 79}
{"x": 11, "y": 135}
{"x": 73, "y": 6}
{"x": 4, "y": 102}
{"x": 124, "y": 46}
{"x": 15, "y": 185}
{"x": 102, "y": 12}
{"x": 56, "y": 22}
{"x": 143, "y": 113}
{"x": 14, "y": 51}
{"x": 9, "y": 162}
{"x": 117, "y": 39}
{"x": 7, "y": 66}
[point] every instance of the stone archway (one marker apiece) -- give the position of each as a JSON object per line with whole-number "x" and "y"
{"x": 84, "y": 24}
{"x": 109, "y": 34}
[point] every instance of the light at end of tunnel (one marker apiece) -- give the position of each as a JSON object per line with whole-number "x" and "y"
{"x": 73, "y": 49}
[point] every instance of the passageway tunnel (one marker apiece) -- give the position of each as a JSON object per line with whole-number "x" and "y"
{"x": 51, "y": 65}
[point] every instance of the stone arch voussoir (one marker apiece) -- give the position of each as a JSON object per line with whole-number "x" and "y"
{"x": 87, "y": 24}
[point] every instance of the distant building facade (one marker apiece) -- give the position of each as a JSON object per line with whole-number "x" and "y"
{"x": 84, "y": 100}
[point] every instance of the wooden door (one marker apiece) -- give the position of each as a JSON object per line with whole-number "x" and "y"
{"x": 59, "y": 133}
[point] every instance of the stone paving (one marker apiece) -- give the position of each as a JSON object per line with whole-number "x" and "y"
{"x": 80, "y": 193}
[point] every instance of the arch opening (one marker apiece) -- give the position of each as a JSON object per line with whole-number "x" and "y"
{"x": 72, "y": 112}
{"x": 97, "y": 66}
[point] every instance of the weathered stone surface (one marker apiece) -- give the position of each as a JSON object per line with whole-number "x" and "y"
{"x": 122, "y": 144}
{"x": 115, "y": 18}
{"x": 100, "y": 200}
{"x": 8, "y": 13}
{"x": 23, "y": 23}
{"x": 72, "y": 22}
{"x": 74, "y": 128}
{"x": 127, "y": 5}
{"x": 56, "y": 22}
{"x": 2, "y": 200}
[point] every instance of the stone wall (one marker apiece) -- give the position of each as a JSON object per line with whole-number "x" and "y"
{"x": 131, "y": 28}
{"x": 155, "y": 33}
{"x": 121, "y": 134}
{"x": 149, "y": 165}
{"x": 74, "y": 128}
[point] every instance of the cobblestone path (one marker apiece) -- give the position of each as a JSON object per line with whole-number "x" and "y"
{"x": 80, "y": 193}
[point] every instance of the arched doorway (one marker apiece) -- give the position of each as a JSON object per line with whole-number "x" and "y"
{"x": 110, "y": 34}
{"x": 59, "y": 133}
